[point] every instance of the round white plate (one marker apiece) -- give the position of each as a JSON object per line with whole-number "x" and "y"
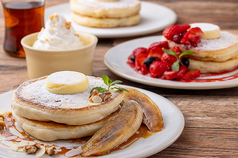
{"x": 173, "y": 127}
{"x": 154, "y": 18}
{"x": 116, "y": 58}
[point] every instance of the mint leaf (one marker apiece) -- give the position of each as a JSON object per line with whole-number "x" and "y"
{"x": 122, "y": 89}
{"x": 175, "y": 66}
{"x": 100, "y": 89}
{"x": 186, "y": 53}
{"x": 116, "y": 82}
{"x": 169, "y": 52}
{"x": 106, "y": 80}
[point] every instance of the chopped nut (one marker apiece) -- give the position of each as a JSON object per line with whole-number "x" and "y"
{"x": 67, "y": 25}
{"x": 105, "y": 96}
{"x": 30, "y": 149}
{"x": 40, "y": 151}
{"x": 77, "y": 35}
{"x": 96, "y": 99}
{"x": 2, "y": 123}
{"x": 51, "y": 150}
{"x": 94, "y": 92}
{"x": 64, "y": 106}
{"x": 14, "y": 147}
{"x": 54, "y": 16}
{"x": 9, "y": 112}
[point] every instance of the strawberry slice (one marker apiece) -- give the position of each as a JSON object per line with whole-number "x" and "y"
{"x": 191, "y": 74}
{"x": 172, "y": 30}
{"x": 192, "y": 37}
{"x": 158, "y": 68}
{"x": 139, "y": 61}
{"x": 156, "y": 52}
{"x": 170, "y": 75}
{"x": 168, "y": 58}
{"x": 161, "y": 44}
{"x": 139, "y": 50}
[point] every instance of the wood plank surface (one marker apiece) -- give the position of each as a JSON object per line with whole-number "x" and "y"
{"x": 211, "y": 116}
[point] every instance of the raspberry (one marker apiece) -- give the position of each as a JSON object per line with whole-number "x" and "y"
{"x": 173, "y": 30}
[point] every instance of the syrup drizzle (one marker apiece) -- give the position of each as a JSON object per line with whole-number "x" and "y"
{"x": 143, "y": 132}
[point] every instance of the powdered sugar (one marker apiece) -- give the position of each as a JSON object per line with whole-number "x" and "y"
{"x": 109, "y": 5}
{"x": 37, "y": 94}
{"x": 226, "y": 40}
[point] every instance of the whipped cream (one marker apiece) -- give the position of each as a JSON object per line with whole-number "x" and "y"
{"x": 57, "y": 35}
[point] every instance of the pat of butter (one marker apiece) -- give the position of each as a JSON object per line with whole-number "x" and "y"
{"x": 210, "y": 31}
{"x": 66, "y": 82}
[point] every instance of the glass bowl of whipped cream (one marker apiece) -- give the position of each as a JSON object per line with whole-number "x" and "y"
{"x": 58, "y": 47}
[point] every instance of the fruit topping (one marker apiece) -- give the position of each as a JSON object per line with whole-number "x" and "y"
{"x": 156, "y": 52}
{"x": 133, "y": 58}
{"x": 173, "y": 30}
{"x": 191, "y": 74}
{"x": 139, "y": 50}
{"x": 192, "y": 37}
{"x": 183, "y": 34}
{"x": 185, "y": 61}
{"x": 168, "y": 58}
{"x": 161, "y": 44}
{"x": 149, "y": 61}
{"x": 140, "y": 59}
{"x": 158, "y": 68}
{"x": 160, "y": 62}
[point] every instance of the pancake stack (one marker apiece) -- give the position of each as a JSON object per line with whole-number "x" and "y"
{"x": 105, "y": 13}
{"x": 46, "y": 108}
{"x": 217, "y": 52}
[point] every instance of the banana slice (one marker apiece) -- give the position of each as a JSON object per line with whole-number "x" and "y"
{"x": 66, "y": 82}
{"x": 210, "y": 31}
{"x": 152, "y": 115}
{"x": 116, "y": 131}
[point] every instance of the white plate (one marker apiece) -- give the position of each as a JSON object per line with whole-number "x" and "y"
{"x": 116, "y": 58}
{"x": 154, "y": 18}
{"x": 173, "y": 127}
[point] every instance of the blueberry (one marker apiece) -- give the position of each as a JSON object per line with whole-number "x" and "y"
{"x": 185, "y": 61}
{"x": 149, "y": 61}
{"x": 133, "y": 58}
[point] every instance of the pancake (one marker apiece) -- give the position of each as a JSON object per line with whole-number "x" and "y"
{"x": 32, "y": 101}
{"x": 221, "y": 49}
{"x": 50, "y": 131}
{"x": 213, "y": 67}
{"x": 105, "y": 22}
{"x": 97, "y": 9}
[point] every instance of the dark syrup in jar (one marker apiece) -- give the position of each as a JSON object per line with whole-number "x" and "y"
{"x": 21, "y": 19}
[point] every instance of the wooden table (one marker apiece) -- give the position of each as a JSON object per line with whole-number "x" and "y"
{"x": 211, "y": 116}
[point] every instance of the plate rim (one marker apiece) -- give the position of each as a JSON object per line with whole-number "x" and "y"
{"x": 196, "y": 86}
{"x": 153, "y": 150}
{"x": 120, "y": 35}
